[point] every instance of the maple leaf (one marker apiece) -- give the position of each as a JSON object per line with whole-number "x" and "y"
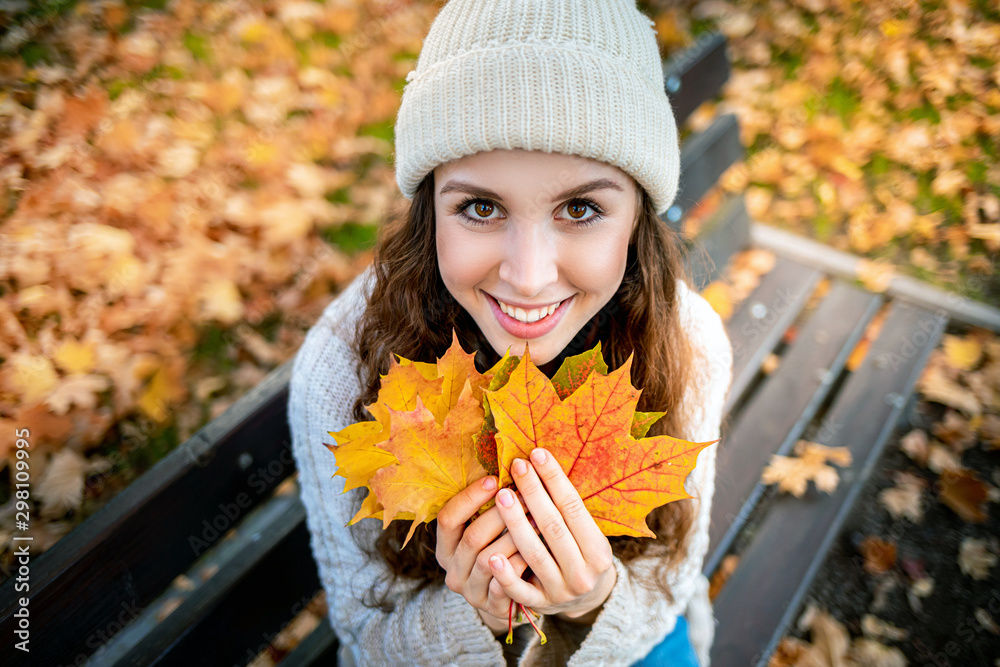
{"x": 436, "y": 461}
{"x": 407, "y": 387}
{"x": 792, "y": 474}
{"x": 621, "y": 479}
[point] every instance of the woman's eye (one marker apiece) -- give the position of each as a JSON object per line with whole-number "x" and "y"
{"x": 480, "y": 210}
{"x": 576, "y": 211}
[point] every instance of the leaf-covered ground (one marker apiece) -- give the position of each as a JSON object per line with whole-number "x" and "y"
{"x": 185, "y": 184}
{"x": 870, "y": 126}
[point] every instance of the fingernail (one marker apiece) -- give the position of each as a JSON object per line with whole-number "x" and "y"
{"x": 489, "y": 483}
{"x": 519, "y": 467}
{"x": 504, "y": 498}
{"x": 538, "y": 456}
{"x": 496, "y": 563}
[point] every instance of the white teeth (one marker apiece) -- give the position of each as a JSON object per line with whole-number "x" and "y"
{"x": 532, "y": 315}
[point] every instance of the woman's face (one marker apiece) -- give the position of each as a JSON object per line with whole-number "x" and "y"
{"x": 520, "y": 233}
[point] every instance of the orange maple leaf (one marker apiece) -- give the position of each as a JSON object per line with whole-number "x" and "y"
{"x": 620, "y": 478}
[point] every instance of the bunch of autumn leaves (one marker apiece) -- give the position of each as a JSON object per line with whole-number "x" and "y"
{"x": 440, "y": 427}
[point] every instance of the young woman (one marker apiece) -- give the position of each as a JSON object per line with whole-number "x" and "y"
{"x": 538, "y": 148}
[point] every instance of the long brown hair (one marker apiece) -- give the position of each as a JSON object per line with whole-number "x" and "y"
{"x": 412, "y": 314}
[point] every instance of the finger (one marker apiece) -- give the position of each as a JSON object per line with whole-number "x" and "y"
{"x": 479, "y": 574}
{"x": 497, "y": 599}
{"x": 527, "y": 541}
{"x": 478, "y": 535}
{"x": 594, "y": 546}
{"x": 452, "y": 517}
{"x": 561, "y": 542}
{"x": 507, "y": 576}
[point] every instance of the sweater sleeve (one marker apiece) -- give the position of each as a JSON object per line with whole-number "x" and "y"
{"x": 636, "y": 618}
{"x": 433, "y": 627}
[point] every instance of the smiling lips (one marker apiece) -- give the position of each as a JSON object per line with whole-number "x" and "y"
{"x": 531, "y": 323}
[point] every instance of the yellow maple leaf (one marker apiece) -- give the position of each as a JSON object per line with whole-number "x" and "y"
{"x": 436, "y": 461}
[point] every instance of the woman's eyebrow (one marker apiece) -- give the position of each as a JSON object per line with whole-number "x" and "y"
{"x": 589, "y": 186}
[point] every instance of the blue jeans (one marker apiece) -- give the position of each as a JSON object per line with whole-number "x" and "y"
{"x": 674, "y": 651}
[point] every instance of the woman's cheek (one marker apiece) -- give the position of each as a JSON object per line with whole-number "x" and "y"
{"x": 464, "y": 262}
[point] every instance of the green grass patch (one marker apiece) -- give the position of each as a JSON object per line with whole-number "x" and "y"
{"x": 341, "y": 196}
{"x": 987, "y": 9}
{"x": 384, "y": 130}
{"x": 148, "y": 4}
{"x": 33, "y": 53}
{"x": 327, "y": 38}
{"x": 215, "y": 348}
{"x": 351, "y": 237}
{"x": 988, "y": 145}
{"x": 926, "y": 110}
{"x": 790, "y": 60}
{"x": 976, "y": 171}
{"x": 198, "y": 46}
{"x": 116, "y": 87}
{"x": 843, "y": 100}
{"x": 879, "y": 165}
{"x": 823, "y": 227}
{"x": 981, "y": 62}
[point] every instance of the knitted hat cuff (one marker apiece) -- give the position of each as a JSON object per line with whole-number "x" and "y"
{"x": 537, "y": 95}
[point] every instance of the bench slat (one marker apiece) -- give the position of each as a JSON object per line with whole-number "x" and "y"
{"x": 775, "y": 417}
{"x": 760, "y": 322}
{"x": 127, "y": 553}
{"x": 696, "y": 74}
{"x": 762, "y": 596}
{"x": 214, "y": 576}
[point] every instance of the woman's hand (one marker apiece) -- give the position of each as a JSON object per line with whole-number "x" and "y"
{"x": 573, "y": 571}
{"x": 464, "y": 552}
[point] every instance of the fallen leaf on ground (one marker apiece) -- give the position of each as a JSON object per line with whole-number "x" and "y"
{"x": 984, "y": 619}
{"x": 866, "y": 651}
{"x": 915, "y": 445}
{"x": 955, "y": 431}
{"x": 940, "y": 458}
{"x": 873, "y": 626}
{"x": 936, "y": 386}
{"x": 918, "y": 590}
{"x": 903, "y": 500}
{"x": 962, "y": 353}
{"x": 989, "y": 431}
{"x": 965, "y": 493}
{"x": 976, "y": 557}
{"x": 792, "y": 473}
{"x": 879, "y": 555}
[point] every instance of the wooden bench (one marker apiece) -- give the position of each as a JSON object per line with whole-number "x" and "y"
{"x": 206, "y": 557}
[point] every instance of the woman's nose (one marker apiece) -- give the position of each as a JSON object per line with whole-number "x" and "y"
{"x": 531, "y": 260}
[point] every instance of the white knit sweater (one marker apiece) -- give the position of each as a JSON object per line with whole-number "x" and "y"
{"x": 438, "y": 626}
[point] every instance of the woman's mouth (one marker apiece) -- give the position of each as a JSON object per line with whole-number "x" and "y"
{"x": 530, "y": 323}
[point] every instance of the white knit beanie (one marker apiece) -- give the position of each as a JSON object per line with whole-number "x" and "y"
{"x": 579, "y": 77}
